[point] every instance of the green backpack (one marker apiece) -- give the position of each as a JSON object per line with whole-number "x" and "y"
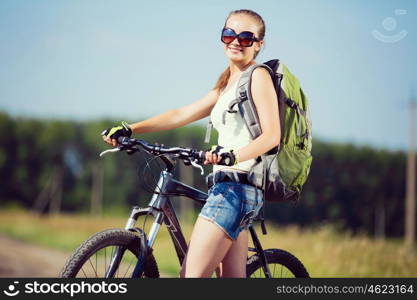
{"x": 283, "y": 170}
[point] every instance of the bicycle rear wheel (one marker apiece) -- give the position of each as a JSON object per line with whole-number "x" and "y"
{"x": 281, "y": 263}
{"x": 93, "y": 257}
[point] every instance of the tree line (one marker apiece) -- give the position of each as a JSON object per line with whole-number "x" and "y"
{"x": 53, "y": 165}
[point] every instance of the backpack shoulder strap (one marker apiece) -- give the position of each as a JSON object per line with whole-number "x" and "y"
{"x": 245, "y": 102}
{"x": 248, "y": 111}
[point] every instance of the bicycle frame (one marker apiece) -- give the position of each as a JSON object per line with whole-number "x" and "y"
{"x": 162, "y": 210}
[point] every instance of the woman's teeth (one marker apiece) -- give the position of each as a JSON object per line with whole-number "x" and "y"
{"x": 235, "y": 49}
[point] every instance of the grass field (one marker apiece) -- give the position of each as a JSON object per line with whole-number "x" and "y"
{"x": 324, "y": 251}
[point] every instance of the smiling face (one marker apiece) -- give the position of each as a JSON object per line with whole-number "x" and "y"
{"x": 234, "y": 51}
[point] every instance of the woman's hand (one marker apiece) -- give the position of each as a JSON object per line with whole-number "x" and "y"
{"x": 212, "y": 158}
{"x": 110, "y": 141}
{"x": 111, "y": 135}
{"x": 217, "y": 153}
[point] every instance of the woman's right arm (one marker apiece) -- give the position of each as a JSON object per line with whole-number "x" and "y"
{"x": 179, "y": 117}
{"x": 174, "y": 118}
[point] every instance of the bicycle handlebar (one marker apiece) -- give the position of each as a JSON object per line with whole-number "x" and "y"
{"x": 188, "y": 155}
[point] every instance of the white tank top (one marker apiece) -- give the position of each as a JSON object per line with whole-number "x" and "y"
{"x": 233, "y": 133}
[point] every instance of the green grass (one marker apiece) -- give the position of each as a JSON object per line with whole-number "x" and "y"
{"x": 324, "y": 251}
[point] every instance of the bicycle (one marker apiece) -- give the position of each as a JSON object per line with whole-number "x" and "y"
{"x": 132, "y": 246}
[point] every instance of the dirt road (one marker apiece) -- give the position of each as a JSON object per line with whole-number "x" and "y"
{"x": 20, "y": 259}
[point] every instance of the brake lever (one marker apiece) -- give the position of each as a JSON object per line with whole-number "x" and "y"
{"x": 197, "y": 166}
{"x": 108, "y": 151}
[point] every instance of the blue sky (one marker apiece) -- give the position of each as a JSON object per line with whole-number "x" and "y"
{"x": 131, "y": 60}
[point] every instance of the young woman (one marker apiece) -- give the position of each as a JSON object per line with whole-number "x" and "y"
{"x": 220, "y": 235}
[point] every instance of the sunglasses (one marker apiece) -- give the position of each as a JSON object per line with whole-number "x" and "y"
{"x": 245, "y": 38}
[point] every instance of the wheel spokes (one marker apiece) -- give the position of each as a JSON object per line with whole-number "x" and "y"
{"x": 98, "y": 263}
{"x": 281, "y": 270}
{"x": 95, "y": 271}
{"x": 84, "y": 272}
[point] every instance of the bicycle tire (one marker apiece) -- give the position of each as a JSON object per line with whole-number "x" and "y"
{"x": 101, "y": 240}
{"x": 276, "y": 257}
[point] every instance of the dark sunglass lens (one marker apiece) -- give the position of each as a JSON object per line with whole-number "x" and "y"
{"x": 228, "y": 35}
{"x": 228, "y": 39}
{"x": 245, "y": 42}
{"x": 245, "y": 38}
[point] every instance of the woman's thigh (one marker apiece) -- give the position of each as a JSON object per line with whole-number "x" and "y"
{"x": 234, "y": 262}
{"x": 208, "y": 246}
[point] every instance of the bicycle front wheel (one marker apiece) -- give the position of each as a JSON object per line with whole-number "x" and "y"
{"x": 93, "y": 258}
{"x": 281, "y": 263}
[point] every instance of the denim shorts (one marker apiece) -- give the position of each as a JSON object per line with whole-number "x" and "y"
{"x": 232, "y": 206}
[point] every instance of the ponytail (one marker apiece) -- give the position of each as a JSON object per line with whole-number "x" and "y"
{"x": 222, "y": 81}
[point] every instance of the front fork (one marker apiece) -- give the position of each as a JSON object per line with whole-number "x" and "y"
{"x": 145, "y": 244}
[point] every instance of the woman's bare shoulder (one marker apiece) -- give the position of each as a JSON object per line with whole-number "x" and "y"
{"x": 261, "y": 75}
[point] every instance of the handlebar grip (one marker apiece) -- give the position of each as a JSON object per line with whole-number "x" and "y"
{"x": 122, "y": 139}
{"x": 202, "y": 156}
